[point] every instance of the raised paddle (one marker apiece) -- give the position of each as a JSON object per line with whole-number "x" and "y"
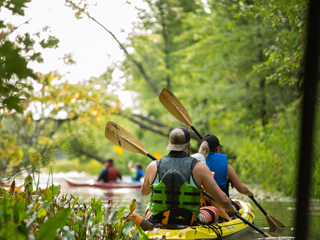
{"x": 122, "y": 138}
{"x": 273, "y": 223}
{"x": 175, "y": 107}
{"x": 118, "y": 135}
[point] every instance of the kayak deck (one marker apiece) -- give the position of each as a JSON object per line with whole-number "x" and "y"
{"x": 108, "y": 185}
{"x": 226, "y": 229}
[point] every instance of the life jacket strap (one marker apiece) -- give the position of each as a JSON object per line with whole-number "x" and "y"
{"x": 175, "y": 193}
{"x": 174, "y": 218}
{"x": 175, "y": 203}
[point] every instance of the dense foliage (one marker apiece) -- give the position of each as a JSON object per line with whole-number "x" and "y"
{"x": 20, "y": 146}
{"x": 45, "y": 214}
{"x": 237, "y": 67}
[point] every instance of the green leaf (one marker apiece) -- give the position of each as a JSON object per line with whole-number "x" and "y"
{"x": 16, "y": 6}
{"x": 119, "y": 213}
{"x": 13, "y": 103}
{"x": 51, "y": 43}
{"x": 49, "y": 228}
{"x": 37, "y": 57}
{"x": 127, "y": 227}
{"x": 41, "y": 213}
{"x": 2, "y": 24}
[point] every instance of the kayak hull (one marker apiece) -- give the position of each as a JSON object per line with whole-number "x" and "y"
{"x": 103, "y": 185}
{"x": 228, "y": 230}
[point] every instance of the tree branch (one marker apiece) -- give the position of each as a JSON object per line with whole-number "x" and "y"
{"x": 153, "y": 121}
{"x": 148, "y": 127}
{"x": 90, "y": 155}
{"x": 138, "y": 64}
{"x": 165, "y": 39}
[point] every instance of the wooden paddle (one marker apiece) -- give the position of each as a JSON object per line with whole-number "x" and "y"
{"x": 273, "y": 223}
{"x": 121, "y": 137}
{"x": 175, "y": 107}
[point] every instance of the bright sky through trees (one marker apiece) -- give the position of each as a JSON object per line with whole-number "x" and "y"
{"x": 91, "y": 47}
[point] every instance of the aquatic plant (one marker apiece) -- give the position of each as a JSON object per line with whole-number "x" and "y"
{"x": 46, "y": 214}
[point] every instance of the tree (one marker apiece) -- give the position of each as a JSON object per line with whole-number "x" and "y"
{"x": 17, "y": 148}
{"x": 235, "y": 66}
{"x": 15, "y": 76}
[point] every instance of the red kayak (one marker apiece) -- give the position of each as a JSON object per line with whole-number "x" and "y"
{"x": 108, "y": 185}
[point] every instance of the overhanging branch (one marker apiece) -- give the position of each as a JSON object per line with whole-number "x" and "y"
{"x": 138, "y": 64}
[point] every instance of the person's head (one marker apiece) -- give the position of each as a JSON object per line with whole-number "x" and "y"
{"x": 213, "y": 143}
{"x": 109, "y": 162}
{"x": 179, "y": 140}
{"x": 138, "y": 166}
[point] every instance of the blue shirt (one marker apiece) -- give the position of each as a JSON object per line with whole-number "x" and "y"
{"x": 218, "y": 163}
{"x": 136, "y": 174}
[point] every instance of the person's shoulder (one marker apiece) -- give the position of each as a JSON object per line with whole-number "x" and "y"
{"x": 199, "y": 157}
{"x": 200, "y": 165}
{"x": 221, "y": 155}
{"x": 153, "y": 164}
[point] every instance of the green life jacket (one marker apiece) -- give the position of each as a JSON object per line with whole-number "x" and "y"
{"x": 173, "y": 186}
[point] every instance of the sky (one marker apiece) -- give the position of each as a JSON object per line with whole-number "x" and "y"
{"x": 91, "y": 46}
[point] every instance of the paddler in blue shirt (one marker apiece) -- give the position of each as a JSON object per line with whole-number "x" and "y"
{"x": 174, "y": 182}
{"x": 136, "y": 172}
{"x": 218, "y": 163}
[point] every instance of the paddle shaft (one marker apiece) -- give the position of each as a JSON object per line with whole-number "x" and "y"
{"x": 150, "y": 156}
{"x": 241, "y": 218}
{"x": 258, "y": 205}
{"x": 196, "y": 132}
{"x": 250, "y": 224}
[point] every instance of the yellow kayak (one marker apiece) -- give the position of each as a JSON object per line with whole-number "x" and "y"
{"x": 232, "y": 228}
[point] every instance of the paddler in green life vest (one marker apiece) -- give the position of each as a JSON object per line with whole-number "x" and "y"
{"x": 174, "y": 182}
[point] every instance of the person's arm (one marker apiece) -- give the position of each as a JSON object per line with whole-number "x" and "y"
{"x": 241, "y": 188}
{"x": 221, "y": 211}
{"x": 202, "y": 174}
{"x": 130, "y": 164}
{"x": 151, "y": 172}
{"x": 103, "y": 175}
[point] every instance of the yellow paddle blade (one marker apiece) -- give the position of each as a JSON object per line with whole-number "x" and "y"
{"x": 123, "y": 139}
{"x": 174, "y": 106}
{"x": 118, "y": 149}
{"x": 157, "y": 155}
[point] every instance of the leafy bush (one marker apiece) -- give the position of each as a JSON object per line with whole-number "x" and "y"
{"x": 43, "y": 214}
{"x": 269, "y": 155}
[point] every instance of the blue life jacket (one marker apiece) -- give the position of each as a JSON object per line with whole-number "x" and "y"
{"x": 218, "y": 163}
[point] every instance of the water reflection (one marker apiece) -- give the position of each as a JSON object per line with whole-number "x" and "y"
{"x": 275, "y": 204}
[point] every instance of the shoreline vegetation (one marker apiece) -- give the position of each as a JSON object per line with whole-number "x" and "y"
{"x": 35, "y": 213}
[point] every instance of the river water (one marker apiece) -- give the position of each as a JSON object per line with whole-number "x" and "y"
{"x": 276, "y": 205}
